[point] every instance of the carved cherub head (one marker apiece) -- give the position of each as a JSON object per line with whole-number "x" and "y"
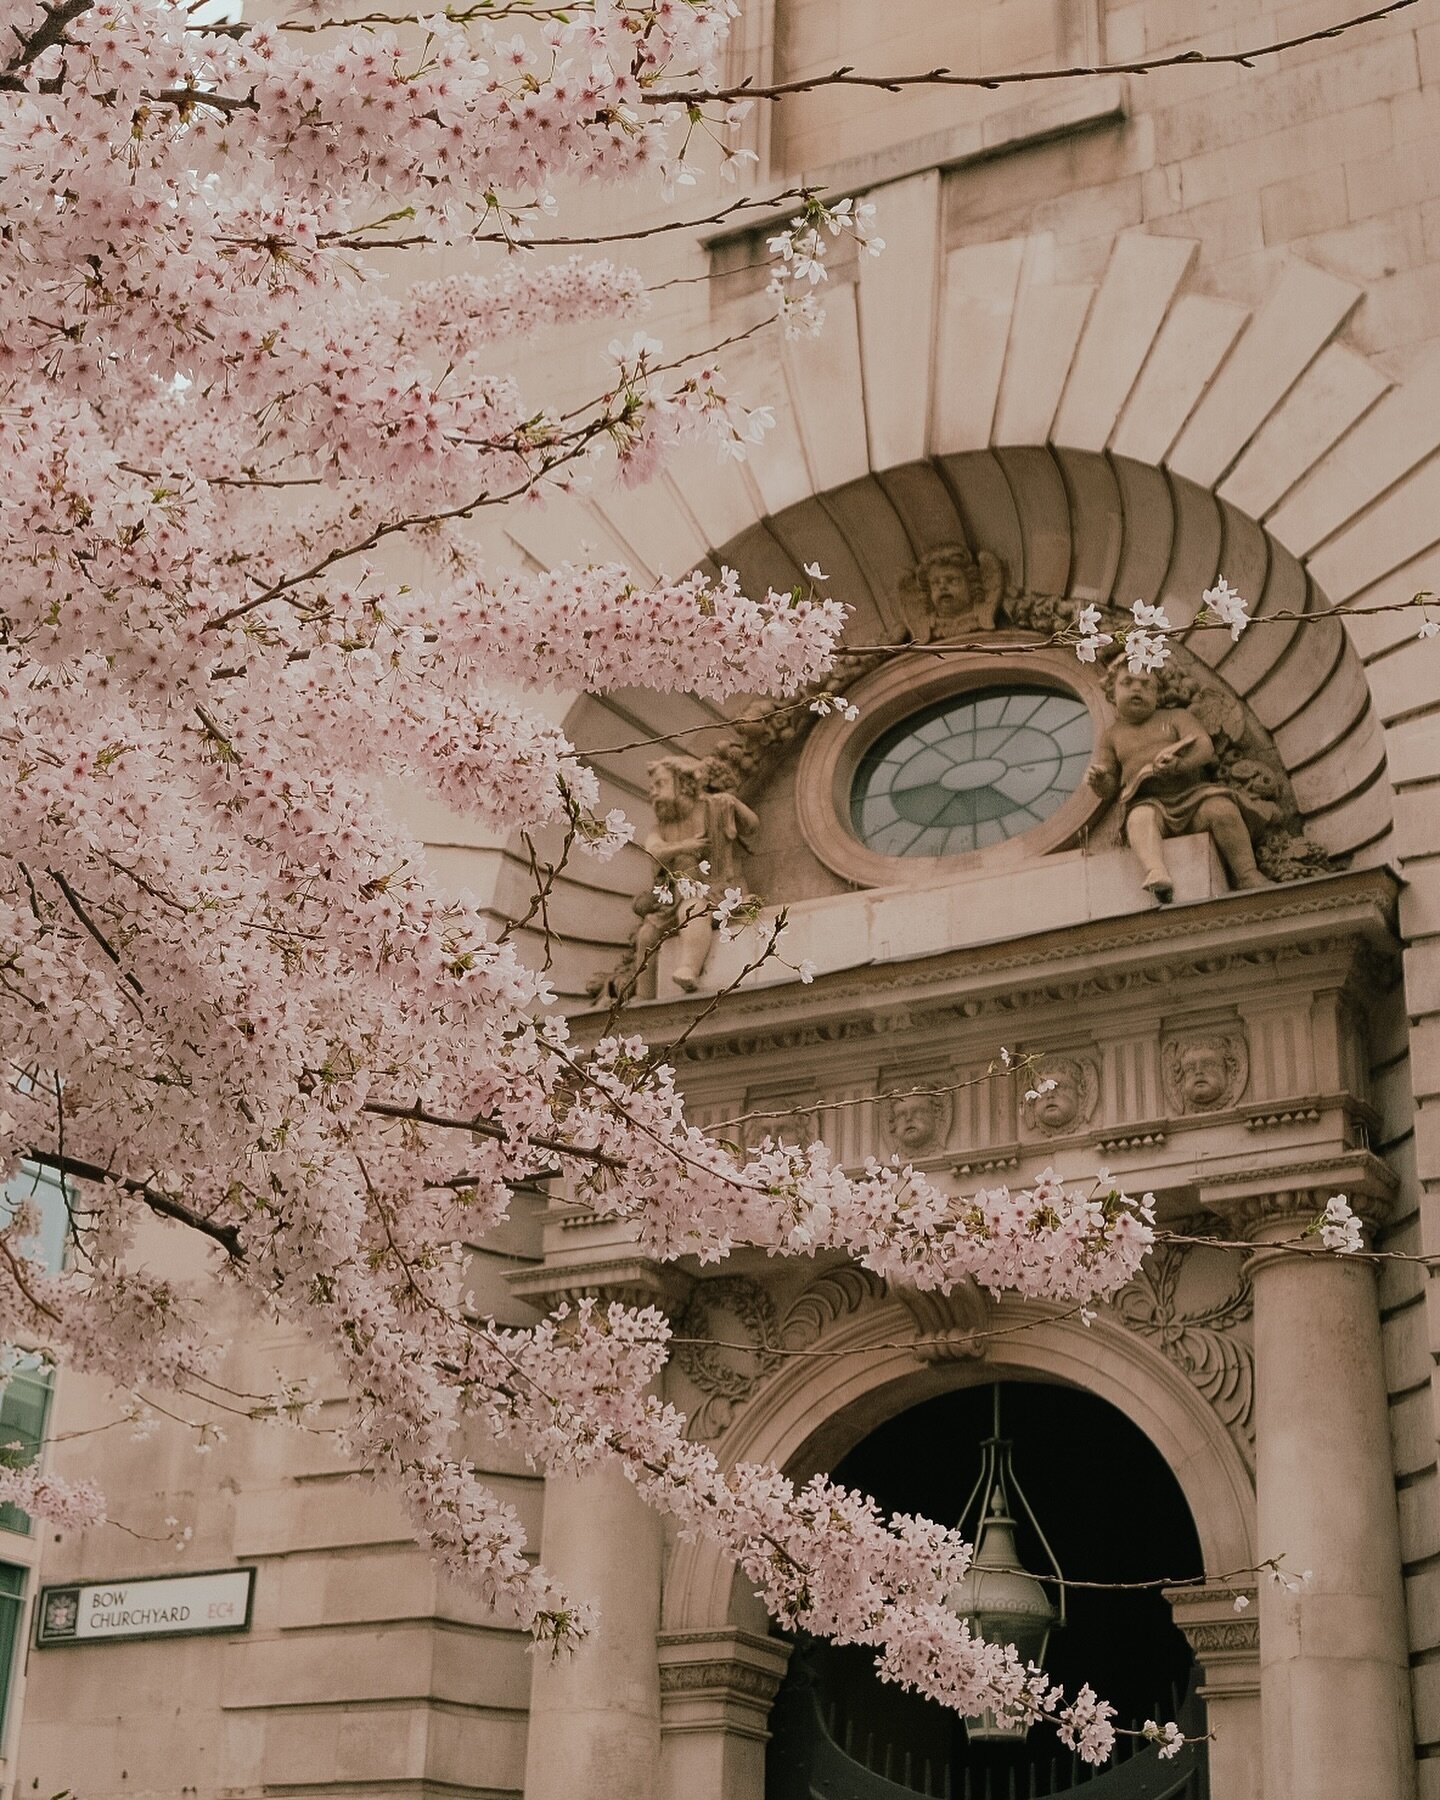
{"x": 1065, "y": 1089}
{"x": 1203, "y": 1074}
{"x": 916, "y": 1121}
{"x": 951, "y": 591}
{"x": 1136, "y": 693}
{"x": 675, "y": 784}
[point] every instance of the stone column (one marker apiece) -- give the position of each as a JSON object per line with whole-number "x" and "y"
{"x": 595, "y": 1718}
{"x": 1227, "y": 1648}
{"x": 716, "y": 1691}
{"x": 1334, "y": 1672}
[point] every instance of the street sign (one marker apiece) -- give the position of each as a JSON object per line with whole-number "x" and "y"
{"x": 148, "y": 1606}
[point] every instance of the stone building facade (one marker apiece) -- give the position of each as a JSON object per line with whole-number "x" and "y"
{"x": 1129, "y": 334}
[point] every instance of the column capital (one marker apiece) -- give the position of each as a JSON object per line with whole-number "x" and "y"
{"x": 1266, "y": 1205}
{"x": 719, "y": 1680}
{"x": 1226, "y": 1643}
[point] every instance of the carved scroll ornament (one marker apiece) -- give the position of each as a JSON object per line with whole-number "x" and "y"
{"x": 736, "y": 1335}
{"x": 1203, "y": 1342}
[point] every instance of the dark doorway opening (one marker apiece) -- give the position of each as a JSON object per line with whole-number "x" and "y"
{"x": 1113, "y": 1513}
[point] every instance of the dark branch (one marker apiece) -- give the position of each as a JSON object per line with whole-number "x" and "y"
{"x": 227, "y": 1236}
{"x": 77, "y": 906}
{"x": 942, "y": 77}
{"x": 51, "y": 30}
{"x": 487, "y": 1128}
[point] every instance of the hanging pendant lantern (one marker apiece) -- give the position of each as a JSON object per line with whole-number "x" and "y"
{"x": 999, "y": 1599}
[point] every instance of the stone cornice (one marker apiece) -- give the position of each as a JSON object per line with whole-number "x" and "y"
{"x": 1253, "y": 1200}
{"x": 1339, "y": 914}
{"x": 632, "y": 1280}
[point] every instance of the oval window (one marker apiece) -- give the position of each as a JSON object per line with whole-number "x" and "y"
{"x": 971, "y": 771}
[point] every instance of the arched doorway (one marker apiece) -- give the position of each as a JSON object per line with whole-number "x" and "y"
{"x": 1113, "y": 1513}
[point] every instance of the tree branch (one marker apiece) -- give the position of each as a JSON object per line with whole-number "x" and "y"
{"x": 416, "y": 1114}
{"x": 77, "y": 906}
{"x": 943, "y": 77}
{"x": 50, "y": 31}
{"x": 227, "y": 1236}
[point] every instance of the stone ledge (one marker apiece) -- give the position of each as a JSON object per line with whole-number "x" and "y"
{"x": 1358, "y": 906}
{"x": 1076, "y": 107}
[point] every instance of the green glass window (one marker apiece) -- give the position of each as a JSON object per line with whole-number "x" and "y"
{"x": 971, "y": 772}
{"x": 24, "y": 1411}
{"x": 12, "y": 1612}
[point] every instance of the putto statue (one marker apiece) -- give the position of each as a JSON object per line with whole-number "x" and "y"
{"x": 951, "y": 591}
{"x": 1158, "y": 762}
{"x": 698, "y": 840}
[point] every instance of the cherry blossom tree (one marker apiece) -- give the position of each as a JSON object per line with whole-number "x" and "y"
{"x": 235, "y": 998}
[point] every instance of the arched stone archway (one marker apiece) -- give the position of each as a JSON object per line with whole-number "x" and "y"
{"x": 811, "y": 1413}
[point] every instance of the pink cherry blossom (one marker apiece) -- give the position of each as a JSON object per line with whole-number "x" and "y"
{"x": 236, "y": 999}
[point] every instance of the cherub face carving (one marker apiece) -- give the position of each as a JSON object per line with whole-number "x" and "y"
{"x": 1203, "y": 1074}
{"x": 916, "y": 1122}
{"x": 1065, "y": 1089}
{"x": 951, "y": 591}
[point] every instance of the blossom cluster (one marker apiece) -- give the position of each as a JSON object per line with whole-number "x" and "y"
{"x": 1339, "y": 1227}
{"x": 239, "y": 606}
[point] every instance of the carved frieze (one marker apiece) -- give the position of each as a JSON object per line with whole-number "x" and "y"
{"x": 729, "y": 1679}
{"x": 1140, "y": 932}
